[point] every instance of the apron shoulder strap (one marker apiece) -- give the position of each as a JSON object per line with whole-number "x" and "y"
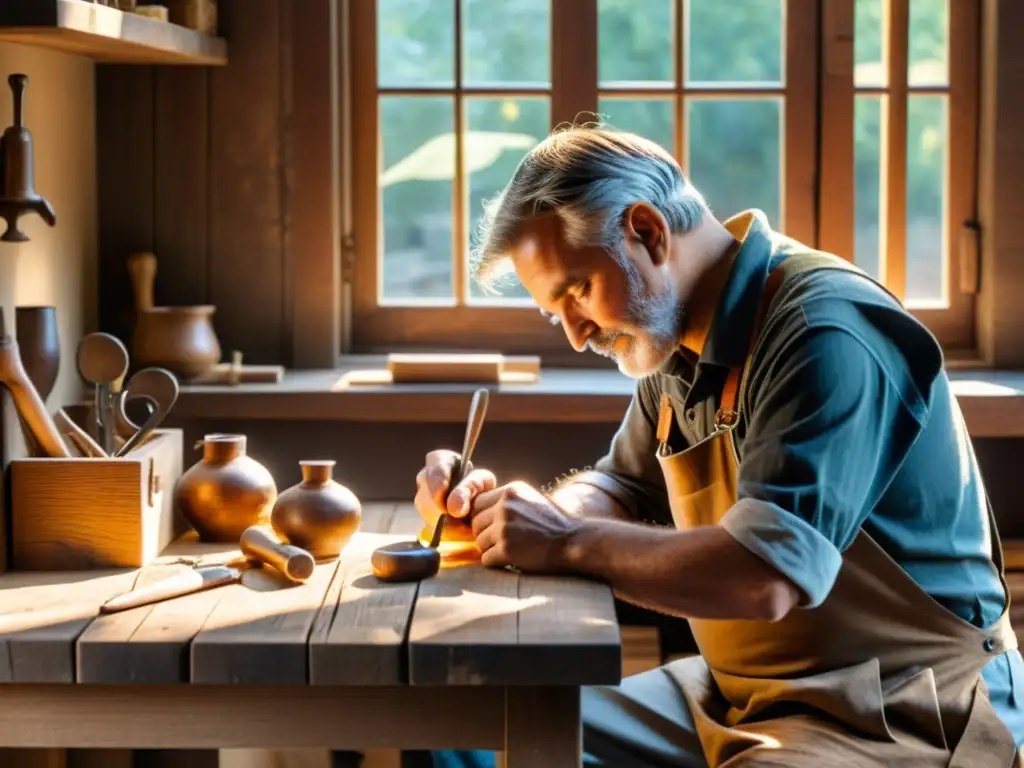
{"x": 796, "y": 264}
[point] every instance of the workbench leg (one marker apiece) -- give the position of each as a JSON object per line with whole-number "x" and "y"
{"x": 543, "y": 727}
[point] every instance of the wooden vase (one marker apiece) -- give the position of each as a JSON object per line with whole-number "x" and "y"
{"x": 319, "y": 514}
{"x": 39, "y": 345}
{"x": 226, "y": 491}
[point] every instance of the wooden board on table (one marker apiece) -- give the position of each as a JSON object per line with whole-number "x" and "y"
{"x": 474, "y": 626}
{"x": 447, "y": 369}
{"x": 260, "y": 635}
{"x": 150, "y": 644}
{"x": 42, "y": 613}
{"x": 359, "y": 638}
{"x": 227, "y": 375}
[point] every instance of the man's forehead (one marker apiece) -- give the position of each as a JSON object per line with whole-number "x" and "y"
{"x": 539, "y": 237}
{"x": 541, "y": 246}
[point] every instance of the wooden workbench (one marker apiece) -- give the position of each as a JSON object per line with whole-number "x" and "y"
{"x": 474, "y": 658}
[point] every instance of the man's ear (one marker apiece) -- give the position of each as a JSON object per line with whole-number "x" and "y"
{"x": 646, "y": 226}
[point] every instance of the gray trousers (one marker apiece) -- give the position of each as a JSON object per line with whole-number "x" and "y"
{"x": 642, "y": 723}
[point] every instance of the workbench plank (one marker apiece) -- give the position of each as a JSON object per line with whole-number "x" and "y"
{"x": 569, "y": 630}
{"x": 260, "y": 636}
{"x": 480, "y": 626}
{"x": 464, "y": 629}
{"x": 362, "y": 641}
{"x": 42, "y": 613}
{"x": 150, "y": 644}
{"x": 406, "y": 521}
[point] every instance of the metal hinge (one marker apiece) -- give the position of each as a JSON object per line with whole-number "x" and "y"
{"x": 348, "y": 257}
{"x": 970, "y": 257}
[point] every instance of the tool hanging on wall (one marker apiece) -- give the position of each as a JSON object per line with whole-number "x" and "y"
{"x": 17, "y": 188}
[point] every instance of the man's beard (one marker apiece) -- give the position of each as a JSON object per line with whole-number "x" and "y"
{"x": 658, "y": 319}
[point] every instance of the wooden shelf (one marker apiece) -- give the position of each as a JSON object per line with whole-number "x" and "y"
{"x": 992, "y": 402}
{"x": 106, "y": 34}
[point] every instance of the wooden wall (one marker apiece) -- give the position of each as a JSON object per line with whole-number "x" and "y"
{"x": 227, "y": 175}
{"x": 1001, "y": 184}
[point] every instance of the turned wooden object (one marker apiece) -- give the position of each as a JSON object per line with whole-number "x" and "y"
{"x": 30, "y": 406}
{"x": 142, "y": 270}
{"x": 259, "y": 543}
{"x": 39, "y": 346}
{"x": 18, "y": 195}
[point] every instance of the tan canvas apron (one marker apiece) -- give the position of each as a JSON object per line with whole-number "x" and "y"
{"x": 880, "y": 674}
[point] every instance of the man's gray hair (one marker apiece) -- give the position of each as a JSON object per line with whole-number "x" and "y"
{"x": 588, "y": 176}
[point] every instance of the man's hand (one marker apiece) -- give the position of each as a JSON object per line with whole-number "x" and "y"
{"x": 432, "y": 496}
{"x": 517, "y": 525}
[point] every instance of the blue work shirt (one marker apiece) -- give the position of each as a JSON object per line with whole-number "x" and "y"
{"x": 847, "y": 422}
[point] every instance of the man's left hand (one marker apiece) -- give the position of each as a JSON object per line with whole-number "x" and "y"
{"x": 517, "y": 525}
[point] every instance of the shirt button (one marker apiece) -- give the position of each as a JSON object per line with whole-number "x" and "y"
{"x": 690, "y": 414}
{"x": 989, "y": 644}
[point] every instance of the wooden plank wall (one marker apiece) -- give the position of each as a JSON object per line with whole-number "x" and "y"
{"x": 227, "y": 175}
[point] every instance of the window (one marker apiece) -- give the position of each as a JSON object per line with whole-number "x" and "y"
{"x": 914, "y": 116}
{"x": 448, "y": 95}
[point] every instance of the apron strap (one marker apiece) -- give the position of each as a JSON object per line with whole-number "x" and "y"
{"x": 730, "y": 392}
{"x": 796, "y": 264}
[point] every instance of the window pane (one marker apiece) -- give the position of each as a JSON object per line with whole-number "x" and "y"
{"x": 416, "y": 42}
{"x": 734, "y": 152}
{"x": 500, "y": 131}
{"x": 739, "y": 41}
{"x": 416, "y": 195}
{"x": 506, "y": 43}
{"x": 634, "y": 40}
{"x": 867, "y": 158}
{"x": 650, "y": 118}
{"x": 926, "y": 194}
{"x": 869, "y": 66}
{"x": 928, "y": 55}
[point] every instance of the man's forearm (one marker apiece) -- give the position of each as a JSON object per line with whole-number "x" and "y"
{"x": 702, "y": 573}
{"x": 584, "y": 500}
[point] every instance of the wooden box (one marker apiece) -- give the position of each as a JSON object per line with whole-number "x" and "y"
{"x": 81, "y": 513}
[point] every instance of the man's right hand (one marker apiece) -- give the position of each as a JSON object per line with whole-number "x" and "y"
{"x": 432, "y": 491}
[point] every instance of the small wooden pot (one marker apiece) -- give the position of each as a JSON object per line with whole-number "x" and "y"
{"x": 319, "y": 514}
{"x": 225, "y": 492}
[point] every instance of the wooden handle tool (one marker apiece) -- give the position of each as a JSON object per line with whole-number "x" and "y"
{"x": 30, "y": 406}
{"x": 475, "y": 423}
{"x": 82, "y": 439}
{"x": 183, "y": 583}
{"x": 258, "y": 542}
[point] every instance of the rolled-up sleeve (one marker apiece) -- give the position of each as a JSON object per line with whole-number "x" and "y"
{"x": 827, "y": 432}
{"x": 629, "y": 471}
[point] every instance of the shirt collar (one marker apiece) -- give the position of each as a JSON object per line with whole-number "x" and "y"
{"x": 728, "y": 339}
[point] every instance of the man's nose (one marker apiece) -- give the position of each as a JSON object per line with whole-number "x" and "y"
{"x": 577, "y": 329}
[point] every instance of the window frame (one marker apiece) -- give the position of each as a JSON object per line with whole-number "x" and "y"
{"x": 955, "y": 325}
{"x": 816, "y": 168}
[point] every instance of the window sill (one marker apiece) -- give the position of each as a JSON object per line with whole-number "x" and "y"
{"x": 992, "y": 401}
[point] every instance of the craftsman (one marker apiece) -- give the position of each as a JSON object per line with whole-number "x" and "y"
{"x": 793, "y": 476}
